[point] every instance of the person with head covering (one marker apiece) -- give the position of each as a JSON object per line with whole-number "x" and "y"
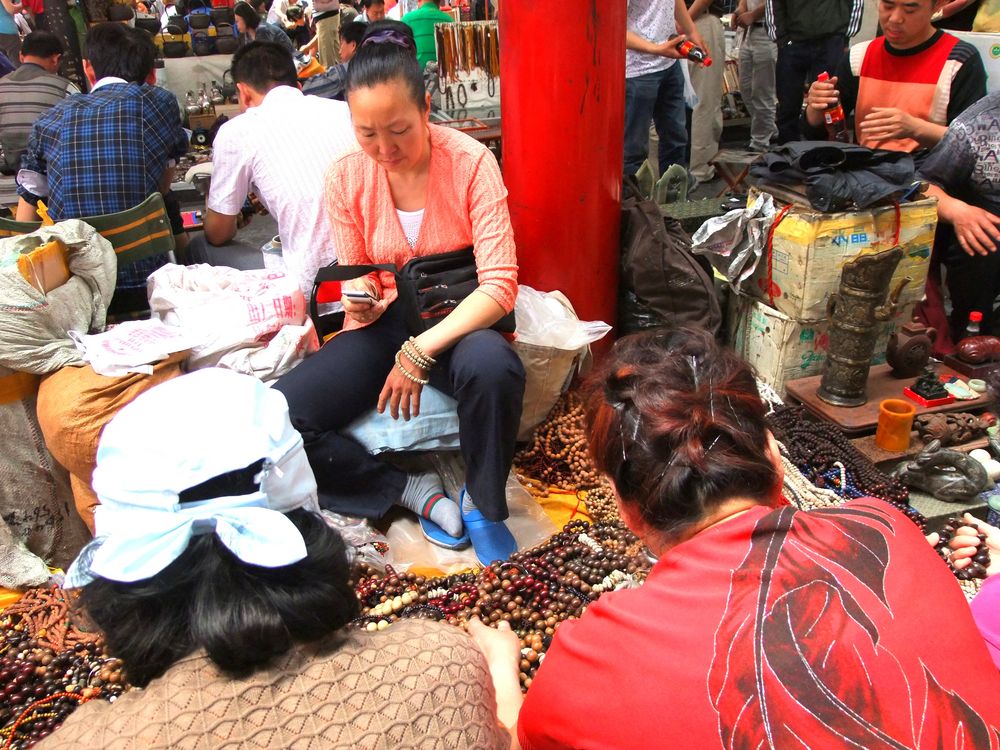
{"x": 760, "y": 625}
{"x": 224, "y": 592}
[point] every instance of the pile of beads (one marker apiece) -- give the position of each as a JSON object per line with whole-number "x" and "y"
{"x": 557, "y": 454}
{"x": 534, "y": 591}
{"x": 48, "y": 668}
{"x": 827, "y": 459}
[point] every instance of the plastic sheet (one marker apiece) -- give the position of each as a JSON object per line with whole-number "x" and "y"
{"x": 735, "y": 241}
{"x": 409, "y": 550}
{"x": 367, "y": 543}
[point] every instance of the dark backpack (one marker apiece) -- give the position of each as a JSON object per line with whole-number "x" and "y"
{"x": 663, "y": 283}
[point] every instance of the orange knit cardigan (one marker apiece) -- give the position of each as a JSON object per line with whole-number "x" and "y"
{"x": 466, "y": 205}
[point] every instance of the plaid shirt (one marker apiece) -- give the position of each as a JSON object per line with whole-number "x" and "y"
{"x": 105, "y": 152}
{"x": 329, "y": 85}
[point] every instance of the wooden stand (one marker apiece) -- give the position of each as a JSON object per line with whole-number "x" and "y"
{"x": 882, "y": 384}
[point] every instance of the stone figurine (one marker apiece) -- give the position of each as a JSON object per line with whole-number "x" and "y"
{"x": 948, "y": 475}
{"x": 953, "y": 428}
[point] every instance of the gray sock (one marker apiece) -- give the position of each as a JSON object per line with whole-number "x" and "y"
{"x": 425, "y": 496}
{"x": 467, "y": 505}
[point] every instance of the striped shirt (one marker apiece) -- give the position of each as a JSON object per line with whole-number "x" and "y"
{"x": 935, "y": 81}
{"x": 24, "y": 95}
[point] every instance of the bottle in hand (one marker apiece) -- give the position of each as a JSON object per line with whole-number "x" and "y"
{"x": 833, "y": 118}
{"x": 694, "y": 53}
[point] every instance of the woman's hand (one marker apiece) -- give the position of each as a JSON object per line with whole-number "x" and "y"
{"x": 965, "y": 544}
{"x": 364, "y": 311}
{"x": 502, "y": 649}
{"x": 400, "y": 393}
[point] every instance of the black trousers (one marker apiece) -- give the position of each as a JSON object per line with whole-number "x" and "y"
{"x": 342, "y": 381}
{"x": 973, "y": 283}
{"x": 799, "y": 63}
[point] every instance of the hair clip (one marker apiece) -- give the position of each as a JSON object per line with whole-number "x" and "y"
{"x": 389, "y": 36}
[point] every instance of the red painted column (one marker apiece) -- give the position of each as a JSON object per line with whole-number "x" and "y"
{"x": 562, "y": 92}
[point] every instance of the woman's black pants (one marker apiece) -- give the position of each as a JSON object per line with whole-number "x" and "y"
{"x": 342, "y": 381}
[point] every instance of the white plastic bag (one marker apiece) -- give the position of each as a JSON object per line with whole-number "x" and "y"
{"x": 547, "y": 319}
{"x": 253, "y": 322}
{"x": 551, "y": 342}
{"x": 132, "y": 346}
{"x": 735, "y": 241}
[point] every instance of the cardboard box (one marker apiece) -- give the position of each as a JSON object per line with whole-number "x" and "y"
{"x": 782, "y": 349}
{"x": 810, "y": 249}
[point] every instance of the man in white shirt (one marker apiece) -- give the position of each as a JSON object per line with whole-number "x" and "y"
{"x": 261, "y": 148}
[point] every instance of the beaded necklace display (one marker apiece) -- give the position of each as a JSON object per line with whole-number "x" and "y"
{"x": 534, "y": 591}
{"x": 48, "y": 667}
{"x": 828, "y": 460}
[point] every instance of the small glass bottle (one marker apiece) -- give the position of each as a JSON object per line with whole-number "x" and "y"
{"x": 972, "y": 328}
{"x": 833, "y": 117}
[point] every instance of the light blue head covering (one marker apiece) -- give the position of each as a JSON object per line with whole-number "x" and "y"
{"x": 177, "y": 436}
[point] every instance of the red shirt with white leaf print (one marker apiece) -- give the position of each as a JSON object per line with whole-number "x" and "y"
{"x": 778, "y": 628}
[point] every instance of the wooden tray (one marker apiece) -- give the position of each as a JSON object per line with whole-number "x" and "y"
{"x": 882, "y": 384}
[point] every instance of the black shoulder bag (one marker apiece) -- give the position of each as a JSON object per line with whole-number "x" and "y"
{"x": 429, "y": 287}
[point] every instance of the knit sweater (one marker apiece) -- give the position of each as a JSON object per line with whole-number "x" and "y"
{"x": 466, "y": 205}
{"x": 418, "y": 684}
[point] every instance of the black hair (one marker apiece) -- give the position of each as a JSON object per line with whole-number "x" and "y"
{"x": 387, "y": 52}
{"x": 263, "y": 66}
{"x": 114, "y": 49}
{"x": 294, "y": 13}
{"x": 353, "y": 32}
{"x": 677, "y": 423}
{"x": 246, "y": 11}
{"x": 243, "y": 615}
{"x": 369, "y": 3}
{"x": 41, "y": 44}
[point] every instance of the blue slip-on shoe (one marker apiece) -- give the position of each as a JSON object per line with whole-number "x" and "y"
{"x": 436, "y": 535}
{"x": 491, "y": 540}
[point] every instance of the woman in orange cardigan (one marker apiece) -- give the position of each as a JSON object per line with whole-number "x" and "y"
{"x": 413, "y": 189}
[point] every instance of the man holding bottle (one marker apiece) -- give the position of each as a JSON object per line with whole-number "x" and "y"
{"x": 903, "y": 88}
{"x": 654, "y": 82}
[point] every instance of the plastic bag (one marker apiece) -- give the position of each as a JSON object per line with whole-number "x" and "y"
{"x": 253, "y": 322}
{"x": 132, "y": 346}
{"x": 547, "y": 319}
{"x": 735, "y": 241}
{"x": 367, "y": 543}
{"x": 552, "y": 342}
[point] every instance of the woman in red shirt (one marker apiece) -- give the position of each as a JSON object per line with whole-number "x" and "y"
{"x": 761, "y": 626}
{"x": 412, "y": 190}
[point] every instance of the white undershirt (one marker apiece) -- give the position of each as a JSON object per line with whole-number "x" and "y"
{"x": 411, "y": 221}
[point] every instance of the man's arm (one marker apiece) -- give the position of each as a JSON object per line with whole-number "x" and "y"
{"x": 685, "y": 25}
{"x": 977, "y": 230}
{"x": 698, "y": 8}
{"x": 231, "y": 177}
{"x": 219, "y": 228}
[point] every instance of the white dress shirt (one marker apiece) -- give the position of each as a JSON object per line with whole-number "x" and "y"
{"x": 283, "y": 147}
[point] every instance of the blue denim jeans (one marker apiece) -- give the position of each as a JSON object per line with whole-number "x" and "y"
{"x": 658, "y": 97}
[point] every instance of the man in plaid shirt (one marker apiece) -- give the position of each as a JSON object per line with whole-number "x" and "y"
{"x": 106, "y": 151}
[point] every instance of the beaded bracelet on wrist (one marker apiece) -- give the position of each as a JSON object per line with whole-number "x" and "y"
{"x": 420, "y": 352}
{"x": 415, "y": 357}
{"x": 409, "y": 375}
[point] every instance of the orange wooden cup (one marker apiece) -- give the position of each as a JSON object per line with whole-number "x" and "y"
{"x": 895, "y": 420}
